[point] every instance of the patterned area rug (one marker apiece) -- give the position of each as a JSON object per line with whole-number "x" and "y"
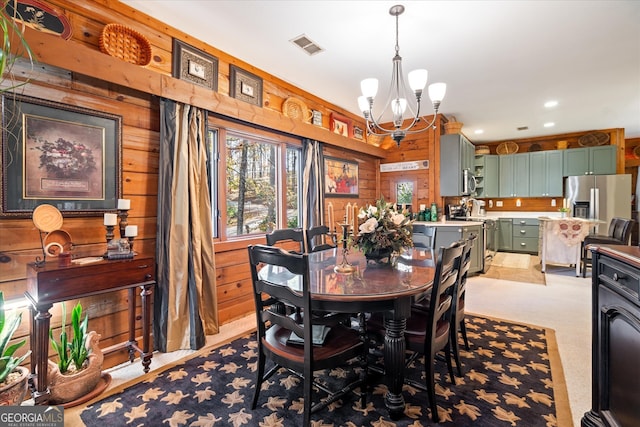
{"x": 512, "y": 377}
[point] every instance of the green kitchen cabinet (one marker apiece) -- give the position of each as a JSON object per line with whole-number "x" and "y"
{"x": 545, "y": 173}
{"x": 505, "y": 234}
{"x": 447, "y": 234}
{"x": 590, "y": 161}
{"x": 525, "y": 235}
{"x": 514, "y": 175}
{"x": 487, "y": 176}
{"x": 457, "y": 153}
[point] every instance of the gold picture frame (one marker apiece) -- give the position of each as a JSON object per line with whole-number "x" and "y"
{"x": 194, "y": 65}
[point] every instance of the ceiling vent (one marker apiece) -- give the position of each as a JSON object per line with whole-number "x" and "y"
{"x": 523, "y": 128}
{"x": 306, "y": 44}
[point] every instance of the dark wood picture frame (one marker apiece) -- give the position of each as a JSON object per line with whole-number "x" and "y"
{"x": 194, "y": 65}
{"x": 340, "y": 177}
{"x": 341, "y": 125}
{"x": 358, "y": 133}
{"x": 245, "y": 86}
{"x": 58, "y": 154}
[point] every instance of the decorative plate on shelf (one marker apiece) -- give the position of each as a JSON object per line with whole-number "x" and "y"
{"x": 296, "y": 109}
{"x": 508, "y": 147}
{"x": 593, "y": 139}
{"x": 47, "y": 218}
{"x": 125, "y": 43}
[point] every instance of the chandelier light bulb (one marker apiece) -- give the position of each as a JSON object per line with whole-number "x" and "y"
{"x": 418, "y": 79}
{"x": 369, "y": 87}
{"x": 437, "y": 91}
{"x": 398, "y": 106}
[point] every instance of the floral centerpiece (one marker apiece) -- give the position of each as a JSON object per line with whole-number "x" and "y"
{"x": 384, "y": 232}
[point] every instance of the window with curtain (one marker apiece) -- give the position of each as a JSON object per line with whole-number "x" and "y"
{"x": 258, "y": 188}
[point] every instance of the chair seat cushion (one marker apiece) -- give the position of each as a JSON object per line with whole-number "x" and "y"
{"x": 339, "y": 341}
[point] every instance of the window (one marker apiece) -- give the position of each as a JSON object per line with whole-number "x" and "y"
{"x": 259, "y": 176}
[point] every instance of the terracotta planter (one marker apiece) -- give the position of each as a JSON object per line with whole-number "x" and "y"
{"x": 71, "y": 386}
{"x": 13, "y": 394}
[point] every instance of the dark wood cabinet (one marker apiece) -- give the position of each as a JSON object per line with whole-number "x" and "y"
{"x": 49, "y": 283}
{"x": 616, "y": 338}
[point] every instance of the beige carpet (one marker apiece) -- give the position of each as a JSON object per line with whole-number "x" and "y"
{"x": 516, "y": 267}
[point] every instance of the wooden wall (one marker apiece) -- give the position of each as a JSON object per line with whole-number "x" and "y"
{"x": 75, "y": 72}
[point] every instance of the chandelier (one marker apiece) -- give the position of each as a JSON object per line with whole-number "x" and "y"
{"x": 398, "y": 96}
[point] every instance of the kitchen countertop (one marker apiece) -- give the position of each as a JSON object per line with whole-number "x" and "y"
{"x": 449, "y": 223}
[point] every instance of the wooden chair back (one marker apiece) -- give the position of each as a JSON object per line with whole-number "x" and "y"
{"x": 320, "y": 238}
{"x": 283, "y": 238}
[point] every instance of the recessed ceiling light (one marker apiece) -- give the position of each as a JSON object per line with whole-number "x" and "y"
{"x": 551, "y": 104}
{"x": 479, "y": 131}
{"x": 549, "y": 124}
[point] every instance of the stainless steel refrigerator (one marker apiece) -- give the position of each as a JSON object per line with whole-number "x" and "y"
{"x": 600, "y": 197}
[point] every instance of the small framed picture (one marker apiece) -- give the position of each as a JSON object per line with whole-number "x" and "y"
{"x": 358, "y": 133}
{"x": 341, "y": 125}
{"x": 340, "y": 177}
{"x": 245, "y": 86}
{"x": 316, "y": 117}
{"x": 194, "y": 65}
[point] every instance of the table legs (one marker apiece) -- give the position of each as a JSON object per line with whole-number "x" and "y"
{"x": 40, "y": 320}
{"x": 394, "y": 356}
{"x": 145, "y": 353}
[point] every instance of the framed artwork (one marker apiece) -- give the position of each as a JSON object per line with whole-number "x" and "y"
{"x": 340, "y": 177}
{"x": 39, "y": 16}
{"x": 194, "y": 65}
{"x": 358, "y": 133}
{"x": 340, "y": 125}
{"x": 245, "y": 86}
{"x": 58, "y": 154}
{"x": 316, "y": 117}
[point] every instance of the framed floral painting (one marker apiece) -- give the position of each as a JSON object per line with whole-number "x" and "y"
{"x": 58, "y": 154}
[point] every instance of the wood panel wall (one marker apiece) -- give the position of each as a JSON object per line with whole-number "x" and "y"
{"x": 75, "y": 72}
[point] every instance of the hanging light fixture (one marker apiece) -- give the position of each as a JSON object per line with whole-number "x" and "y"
{"x": 398, "y": 96}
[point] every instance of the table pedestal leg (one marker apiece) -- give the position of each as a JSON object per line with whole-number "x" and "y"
{"x": 145, "y": 353}
{"x": 40, "y": 321}
{"x": 394, "y": 356}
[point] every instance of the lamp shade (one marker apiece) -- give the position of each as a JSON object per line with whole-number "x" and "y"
{"x": 363, "y": 103}
{"x": 437, "y": 91}
{"x": 369, "y": 87}
{"x": 418, "y": 79}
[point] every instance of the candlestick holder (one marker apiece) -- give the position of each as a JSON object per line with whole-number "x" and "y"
{"x": 110, "y": 229}
{"x": 123, "y": 214}
{"x": 344, "y": 266}
{"x": 131, "y": 243}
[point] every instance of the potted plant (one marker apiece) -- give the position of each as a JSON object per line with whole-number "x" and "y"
{"x": 79, "y": 365}
{"x": 13, "y": 377}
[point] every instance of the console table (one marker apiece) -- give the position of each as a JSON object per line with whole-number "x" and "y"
{"x": 50, "y": 283}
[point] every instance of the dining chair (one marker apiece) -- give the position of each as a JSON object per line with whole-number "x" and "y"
{"x": 458, "y": 325}
{"x": 320, "y": 238}
{"x": 619, "y": 233}
{"x": 284, "y": 236}
{"x": 287, "y": 340}
{"x": 428, "y": 331}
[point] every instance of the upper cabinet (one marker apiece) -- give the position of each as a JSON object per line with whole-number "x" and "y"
{"x": 514, "y": 175}
{"x": 545, "y": 173}
{"x": 457, "y": 154}
{"x": 590, "y": 161}
{"x": 487, "y": 176}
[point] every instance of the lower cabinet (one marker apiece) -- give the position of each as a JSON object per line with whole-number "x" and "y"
{"x": 615, "y": 395}
{"x": 525, "y": 235}
{"x": 518, "y": 235}
{"x": 446, "y": 235}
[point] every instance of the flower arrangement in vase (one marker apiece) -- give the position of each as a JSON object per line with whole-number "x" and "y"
{"x": 384, "y": 231}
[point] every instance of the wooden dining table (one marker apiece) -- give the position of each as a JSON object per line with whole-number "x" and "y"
{"x": 390, "y": 289}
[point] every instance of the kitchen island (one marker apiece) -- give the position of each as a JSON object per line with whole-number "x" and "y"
{"x": 449, "y": 231}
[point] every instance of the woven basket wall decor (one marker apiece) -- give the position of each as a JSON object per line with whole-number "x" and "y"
{"x": 126, "y": 44}
{"x": 453, "y": 126}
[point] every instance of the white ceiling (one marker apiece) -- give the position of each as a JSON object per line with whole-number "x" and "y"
{"x": 501, "y": 60}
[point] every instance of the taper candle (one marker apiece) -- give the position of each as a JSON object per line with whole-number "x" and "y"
{"x": 330, "y": 215}
{"x": 110, "y": 219}
{"x": 347, "y": 215}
